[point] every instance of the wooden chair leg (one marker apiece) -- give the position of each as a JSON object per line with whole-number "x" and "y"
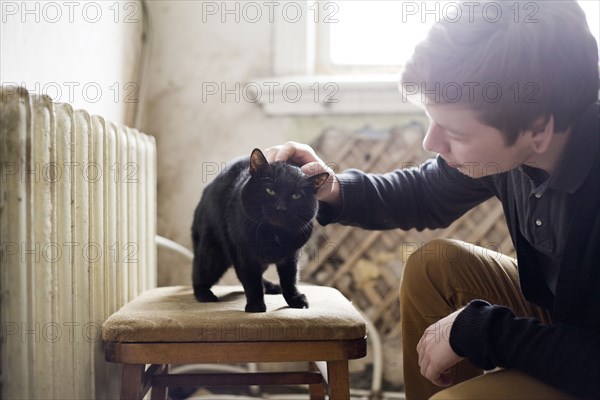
{"x": 160, "y": 392}
{"x": 338, "y": 379}
{"x": 131, "y": 381}
{"x": 316, "y": 391}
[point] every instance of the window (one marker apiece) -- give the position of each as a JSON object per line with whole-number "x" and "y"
{"x": 379, "y": 36}
{"x": 369, "y": 37}
{"x": 592, "y": 12}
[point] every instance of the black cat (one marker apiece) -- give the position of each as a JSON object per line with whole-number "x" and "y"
{"x": 254, "y": 214}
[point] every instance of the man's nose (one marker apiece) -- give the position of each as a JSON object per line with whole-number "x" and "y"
{"x": 435, "y": 139}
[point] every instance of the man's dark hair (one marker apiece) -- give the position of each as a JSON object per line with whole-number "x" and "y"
{"x": 511, "y": 66}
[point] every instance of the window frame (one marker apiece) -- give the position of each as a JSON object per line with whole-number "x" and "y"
{"x": 294, "y": 62}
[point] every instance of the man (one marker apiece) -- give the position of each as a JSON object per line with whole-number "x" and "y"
{"x": 513, "y": 104}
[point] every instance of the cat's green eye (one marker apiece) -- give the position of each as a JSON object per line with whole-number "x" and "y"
{"x": 296, "y": 196}
{"x": 271, "y": 191}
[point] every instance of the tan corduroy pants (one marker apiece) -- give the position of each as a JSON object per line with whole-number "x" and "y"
{"x": 443, "y": 276}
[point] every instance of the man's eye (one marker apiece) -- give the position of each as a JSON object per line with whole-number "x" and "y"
{"x": 456, "y": 136}
{"x": 270, "y": 191}
{"x": 296, "y": 196}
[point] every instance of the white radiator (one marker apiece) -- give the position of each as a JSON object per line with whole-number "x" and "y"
{"x": 77, "y": 227}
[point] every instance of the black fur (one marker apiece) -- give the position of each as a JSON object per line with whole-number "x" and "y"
{"x": 252, "y": 215}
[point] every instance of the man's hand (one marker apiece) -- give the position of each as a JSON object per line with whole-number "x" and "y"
{"x": 305, "y": 157}
{"x": 435, "y": 354}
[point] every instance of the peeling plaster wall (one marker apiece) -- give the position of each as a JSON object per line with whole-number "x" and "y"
{"x": 193, "y": 135}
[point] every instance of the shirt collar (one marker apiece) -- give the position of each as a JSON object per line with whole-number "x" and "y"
{"x": 582, "y": 148}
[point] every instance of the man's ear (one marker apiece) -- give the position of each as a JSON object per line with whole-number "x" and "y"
{"x": 257, "y": 161}
{"x": 318, "y": 180}
{"x": 542, "y": 132}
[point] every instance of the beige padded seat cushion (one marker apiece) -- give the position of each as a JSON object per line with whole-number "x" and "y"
{"x": 172, "y": 314}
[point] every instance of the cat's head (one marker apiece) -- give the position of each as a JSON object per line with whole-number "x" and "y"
{"x": 279, "y": 193}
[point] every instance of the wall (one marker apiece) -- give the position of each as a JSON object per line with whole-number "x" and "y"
{"x": 84, "y": 53}
{"x": 190, "y": 50}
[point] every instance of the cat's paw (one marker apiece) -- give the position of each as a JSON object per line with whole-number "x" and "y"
{"x": 205, "y": 296}
{"x": 256, "y": 307}
{"x": 271, "y": 288}
{"x": 297, "y": 301}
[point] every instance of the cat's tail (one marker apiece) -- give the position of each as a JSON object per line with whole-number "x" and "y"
{"x": 171, "y": 245}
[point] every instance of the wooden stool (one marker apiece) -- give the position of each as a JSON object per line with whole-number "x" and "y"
{"x": 167, "y": 325}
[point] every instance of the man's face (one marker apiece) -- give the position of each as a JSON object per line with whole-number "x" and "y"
{"x": 466, "y": 144}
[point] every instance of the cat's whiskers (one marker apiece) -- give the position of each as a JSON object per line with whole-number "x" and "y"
{"x": 322, "y": 235}
{"x": 260, "y": 224}
{"x": 254, "y": 225}
{"x": 306, "y": 229}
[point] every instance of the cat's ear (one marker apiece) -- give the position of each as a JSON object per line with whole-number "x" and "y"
{"x": 257, "y": 161}
{"x": 318, "y": 180}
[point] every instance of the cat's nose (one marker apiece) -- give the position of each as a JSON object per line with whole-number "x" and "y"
{"x": 280, "y": 207}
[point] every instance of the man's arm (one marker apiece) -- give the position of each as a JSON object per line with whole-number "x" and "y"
{"x": 432, "y": 195}
{"x": 564, "y": 356}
